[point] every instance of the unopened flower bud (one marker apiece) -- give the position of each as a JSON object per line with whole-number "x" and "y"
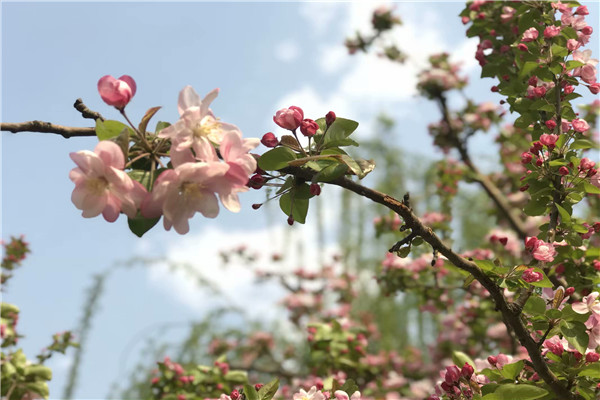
{"x": 330, "y": 118}
{"x": 563, "y": 171}
{"x": 290, "y": 220}
{"x": 289, "y": 118}
{"x": 550, "y": 124}
{"x": 258, "y": 386}
{"x": 492, "y": 360}
{"x": 569, "y": 291}
{"x": 467, "y": 370}
{"x": 592, "y": 357}
{"x": 308, "y": 127}
{"x": 269, "y": 140}
{"x": 256, "y": 181}
{"x": 235, "y": 394}
{"x": 315, "y": 189}
{"x": 256, "y": 206}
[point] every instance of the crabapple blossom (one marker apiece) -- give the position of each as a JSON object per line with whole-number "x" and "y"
{"x": 197, "y": 127}
{"x": 530, "y": 35}
{"x": 101, "y": 186}
{"x": 530, "y": 276}
{"x": 269, "y": 140}
{"x": 551, "y": 31}
{"x": 312, "y": 394}
{"x": 289, "y": 118}
{"x": 587, "y": 72}
{"x": 341, "y": 395}
{"x": 116, "y": 92}
{"x": 181, "y": 192}
{"x": 580, "y": 125}
{"x": 308, "y": 127}
{"x": 588, "y": 304}
{"x": 548, "y": 140}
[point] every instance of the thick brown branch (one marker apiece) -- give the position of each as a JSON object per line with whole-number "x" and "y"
{"x": 510, "y": 313}
{"x": 47, "y": 127}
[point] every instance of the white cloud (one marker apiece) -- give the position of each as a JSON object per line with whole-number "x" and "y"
{"x": 235, "y": 280}
{"x": 287, "y": 51}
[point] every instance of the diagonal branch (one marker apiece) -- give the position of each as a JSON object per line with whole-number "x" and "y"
{"x": 510, "y": 312}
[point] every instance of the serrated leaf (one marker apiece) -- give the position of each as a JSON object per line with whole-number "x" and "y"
{"x": 298, "y": 208}
{"x": 268, "y": 391}
{"x": 511, "y": 371}
{"x": 250, "y": 392}
{"x": 535, "y": 306}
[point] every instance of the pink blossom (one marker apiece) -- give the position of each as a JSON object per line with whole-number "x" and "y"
{"x": 586, "y": 164}
{"x": 573, "y": 44}
{"x": 308, "y": 127}
{"x": 588, "y": 304}
{"x": 556, "y": 345}
{"x": 341, "y": 395}
{"x": 548, "y": 140}
{"x": 234, "y": 151}
{"x": 116, "y": 92}
{"x": 312, "y": 394}
{"x": 507, "y": 14}
{"x": 580, "y": 125}
{"x": 530, "y": 35}
{"x": 587, "y": 72}
{"x": 181, "y": 192}
{"x": 101, "y": 186}
{"x": 530, "y": 276}
{"x": 582, "y": 10}
{"x": 197, "y": 127}
{"x": 289, "y": 118}
{"x": 544, "y": 251}
{"x": 269, "y": 140}
{"x": 551, "y": 31}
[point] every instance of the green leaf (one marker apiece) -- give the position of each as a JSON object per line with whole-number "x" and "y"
{"x": 575, "y": 333}
{"x": 485, "y": 265}
{"x": 564, "y": 214}
{"x": 140, "y": 225}
{"x": 572, "y": 64}
{"x": 559, "y": 51}
{"x": 349, "y": 387}
{"x": 589, "y": 188}
{"x": 38, "y": 387}
{"x": 297, "y": 209}
{"x": 340, "y": 129}
{"x": 39, "y": 371}
{"x": 110, "y": 129}
{"x": 276, "y": 159}
{"x": 523, "y": 391}
{"x": 511, "y": 371}
{"x": 237, "y": 377}
{"x": 146, "y": 118}
{"x": 591, "y": 370}
{"x": 553, "y": 314}
{"x": 535, "y": 306}
{"x": 527, "y": 68}
{"x": 330, "y": 173}
{"x": 536, "y": 206}
{"x": 459, "y": 358}
{"x": 250, "y": 393}
{"x": 581, "y": 144}
{"x": 160, "y": 125}
{"x": 268, "y": 391}
{"x": 360, "y": 167}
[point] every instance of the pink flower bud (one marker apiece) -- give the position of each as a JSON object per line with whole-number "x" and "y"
{"x": 563, "y": 171}
{"x": 523, "y": 47}
{"x": 467, "y": 370}
{"x": 155, "y": 380}
{"x": 569, "y": 89}
{"x": 258, "y": 386}
{"x": 573, "y": 44}
{"x": 235, "y": 395}
{"x": 594, "y": 88}
{"x": 530, "y": 276}
{"x": 551, "y": 31}
{"x": 580, "y": 125}
{"x": 530, "y": 35}
{"x": 269, "y": 140}
{"x": 492, "y": 360}
{"x": 526, "y": 158}
{"x": 587, "y": 30}
{"x": 181, "y": 397}
{"x": 581, "y": 10}
{"x": 289, "y": 118}
{"x": 330, "y": 118}
{"x": 308, "y": 127}
{"x": 315, "y": 189}
{"x": 550, "y": 124}
{"x": 116, "y": 92}
{"x": 569, "y": 291}
{"x": 452, "y": 375}
{"x": 548, "y": 140}
{"x": 592, "y": 357}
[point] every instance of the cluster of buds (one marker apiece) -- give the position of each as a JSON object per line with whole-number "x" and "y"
{"x": 540, "y": 250}
{"x": 458, "y": 383}
{"x": 442, "y": 76}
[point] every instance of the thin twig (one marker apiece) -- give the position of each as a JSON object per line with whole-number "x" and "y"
{"x": 47, "y": 127}
{"x": 86, "y": 112}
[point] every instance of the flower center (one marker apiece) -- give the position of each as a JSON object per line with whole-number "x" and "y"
{"x": 206, "y": 128}
{"x": 191, "y": 190}
{"x": 97, "y": 186}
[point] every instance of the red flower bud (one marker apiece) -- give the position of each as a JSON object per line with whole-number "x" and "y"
{"x": 550, "y": 124}
{"x": 330, "y": 118}
{"x": 258, "y": 386}
{"x": 467, "y": 370}
{"x": 308, "y": 127}
{"x": 592, "y": 357}
{"x": 587, "y": 30}
{"x": 235, "y": 395}
{"x": 290, "y": 220}
{"x": 563, "y": 171}
{"x": 523, "y": 47}
{"x": 503, "y": 240}
{"x": 492, "y": 360}
{"x": 315, "y": 189}
{"x": 526, "y": 158}
{"x": 569, "y": 291}
{"x": 494, "y": 89}
{"x": 256, "y": 206}
{"x": 269, "y": 140}
{"x": 256, "y": 181}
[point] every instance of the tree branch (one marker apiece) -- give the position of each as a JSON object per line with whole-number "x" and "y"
{"x": 86, "y": 112}
{"x": 492, "y": 190}
{"x": 510, "y": 312}
{"x": 47, "y": 127}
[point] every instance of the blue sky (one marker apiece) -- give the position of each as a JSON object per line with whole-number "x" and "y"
{"x": 263, "y": 56}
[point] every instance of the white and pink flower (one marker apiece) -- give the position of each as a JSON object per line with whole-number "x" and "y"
{"x": 101, "y": 185}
